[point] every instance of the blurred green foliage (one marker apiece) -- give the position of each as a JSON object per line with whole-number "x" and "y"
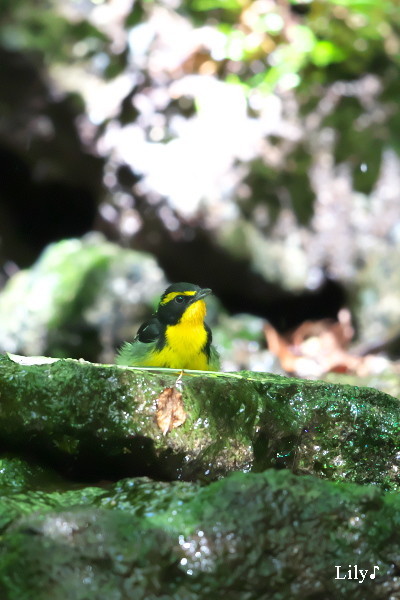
{"x": 38, "y": 26}
{"x": 287, "y": 38}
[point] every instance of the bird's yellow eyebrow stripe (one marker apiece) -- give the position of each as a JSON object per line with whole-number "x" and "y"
{"x": 173, "y": 295}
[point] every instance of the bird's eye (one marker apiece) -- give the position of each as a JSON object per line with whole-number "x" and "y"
{"x": 179, "y": 299}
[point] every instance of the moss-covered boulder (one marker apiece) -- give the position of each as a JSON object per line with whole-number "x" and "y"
{"x": 103, "y": 422}
{"x": 76, "y": 299}
{"x": 260, "y": 536}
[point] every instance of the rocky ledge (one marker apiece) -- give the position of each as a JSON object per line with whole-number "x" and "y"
{"x": 122, "y": 483}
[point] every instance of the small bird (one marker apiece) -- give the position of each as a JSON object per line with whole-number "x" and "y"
{"x": 176, "y": 336}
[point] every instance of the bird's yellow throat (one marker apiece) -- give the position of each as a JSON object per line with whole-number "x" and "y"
{"x": 185, "y": 341}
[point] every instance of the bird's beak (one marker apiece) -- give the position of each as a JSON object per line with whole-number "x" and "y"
{"x": 202, "y": 294}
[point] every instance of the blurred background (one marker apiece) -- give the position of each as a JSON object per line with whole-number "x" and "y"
{"x": 250, "y": 147}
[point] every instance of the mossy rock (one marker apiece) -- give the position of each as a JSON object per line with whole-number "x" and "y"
{"x": 96, "y": 422}
{"x": 253, "y": 536}
{"x": 75, "y": 300}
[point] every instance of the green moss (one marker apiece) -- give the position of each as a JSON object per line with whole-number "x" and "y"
{"x": 98, "y": 422}
{"x": 17, "y": 475}
{"x": 269, "y": 535}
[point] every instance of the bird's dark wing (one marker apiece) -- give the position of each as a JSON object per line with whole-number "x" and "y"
{"x": 211, "y": 351}
{"x": 149, "y": 331}
{"x": 207, "y": 345}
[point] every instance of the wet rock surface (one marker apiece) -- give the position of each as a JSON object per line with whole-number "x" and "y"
{"x": 254, "y": 536}
{"x": 99, "y": 422}
{"x": 97, "y": 503}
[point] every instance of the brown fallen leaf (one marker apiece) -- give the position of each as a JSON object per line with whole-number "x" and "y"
{"x": 170, "y": 411}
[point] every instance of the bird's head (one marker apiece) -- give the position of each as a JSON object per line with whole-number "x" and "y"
{"x": 183, "y": 302}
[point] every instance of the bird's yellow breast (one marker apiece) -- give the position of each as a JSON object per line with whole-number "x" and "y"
{"x": 185, "y": 341}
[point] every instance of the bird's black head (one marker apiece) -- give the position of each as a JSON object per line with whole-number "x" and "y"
{"x": 182, "y": 301}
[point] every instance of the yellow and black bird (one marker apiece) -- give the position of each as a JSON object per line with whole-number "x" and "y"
{"x": 176, "y": 336}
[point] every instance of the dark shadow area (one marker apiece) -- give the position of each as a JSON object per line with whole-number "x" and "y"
{"x": 50, "y": 180}
{"x": 98, "y": 460}
{"x": 35, "y": 213}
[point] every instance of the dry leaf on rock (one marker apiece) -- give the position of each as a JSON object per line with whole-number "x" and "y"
{"x": 170, "y": 410}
